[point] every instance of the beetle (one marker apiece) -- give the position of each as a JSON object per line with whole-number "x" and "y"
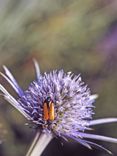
{"x": 48, "y": 109}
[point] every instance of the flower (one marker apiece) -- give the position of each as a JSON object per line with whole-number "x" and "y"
{"x": 59, "y": 103}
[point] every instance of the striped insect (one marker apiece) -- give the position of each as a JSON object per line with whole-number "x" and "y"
{"x": 48, "y": 109}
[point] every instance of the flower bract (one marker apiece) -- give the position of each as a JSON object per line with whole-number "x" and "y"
{"x": 59, "y": 103}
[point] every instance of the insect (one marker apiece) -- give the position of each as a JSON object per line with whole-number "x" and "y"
{"x": 48, "y": 109}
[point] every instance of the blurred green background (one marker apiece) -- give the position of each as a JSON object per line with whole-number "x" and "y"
{"x": 76, "y": 35}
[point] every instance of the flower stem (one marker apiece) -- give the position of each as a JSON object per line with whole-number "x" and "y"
{"x": 40, "y": 142}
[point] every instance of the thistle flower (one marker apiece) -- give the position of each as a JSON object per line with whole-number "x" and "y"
{"x": 58, "y": 103}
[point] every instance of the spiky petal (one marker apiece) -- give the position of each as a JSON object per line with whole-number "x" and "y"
{"x": 72, "y": 105}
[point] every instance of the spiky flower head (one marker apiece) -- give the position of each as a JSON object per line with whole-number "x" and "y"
{"x": 59, "y": 103}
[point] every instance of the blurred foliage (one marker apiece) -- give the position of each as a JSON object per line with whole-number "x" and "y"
{"x": 72, "y": 34}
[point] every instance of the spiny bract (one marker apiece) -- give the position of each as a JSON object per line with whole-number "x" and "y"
{"x": 72, "y": 105}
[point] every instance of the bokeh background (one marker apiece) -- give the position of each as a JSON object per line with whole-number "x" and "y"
{"x": 75, "y": 35}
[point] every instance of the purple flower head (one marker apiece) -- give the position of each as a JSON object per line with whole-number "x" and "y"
{"x": 59, "y": 103}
